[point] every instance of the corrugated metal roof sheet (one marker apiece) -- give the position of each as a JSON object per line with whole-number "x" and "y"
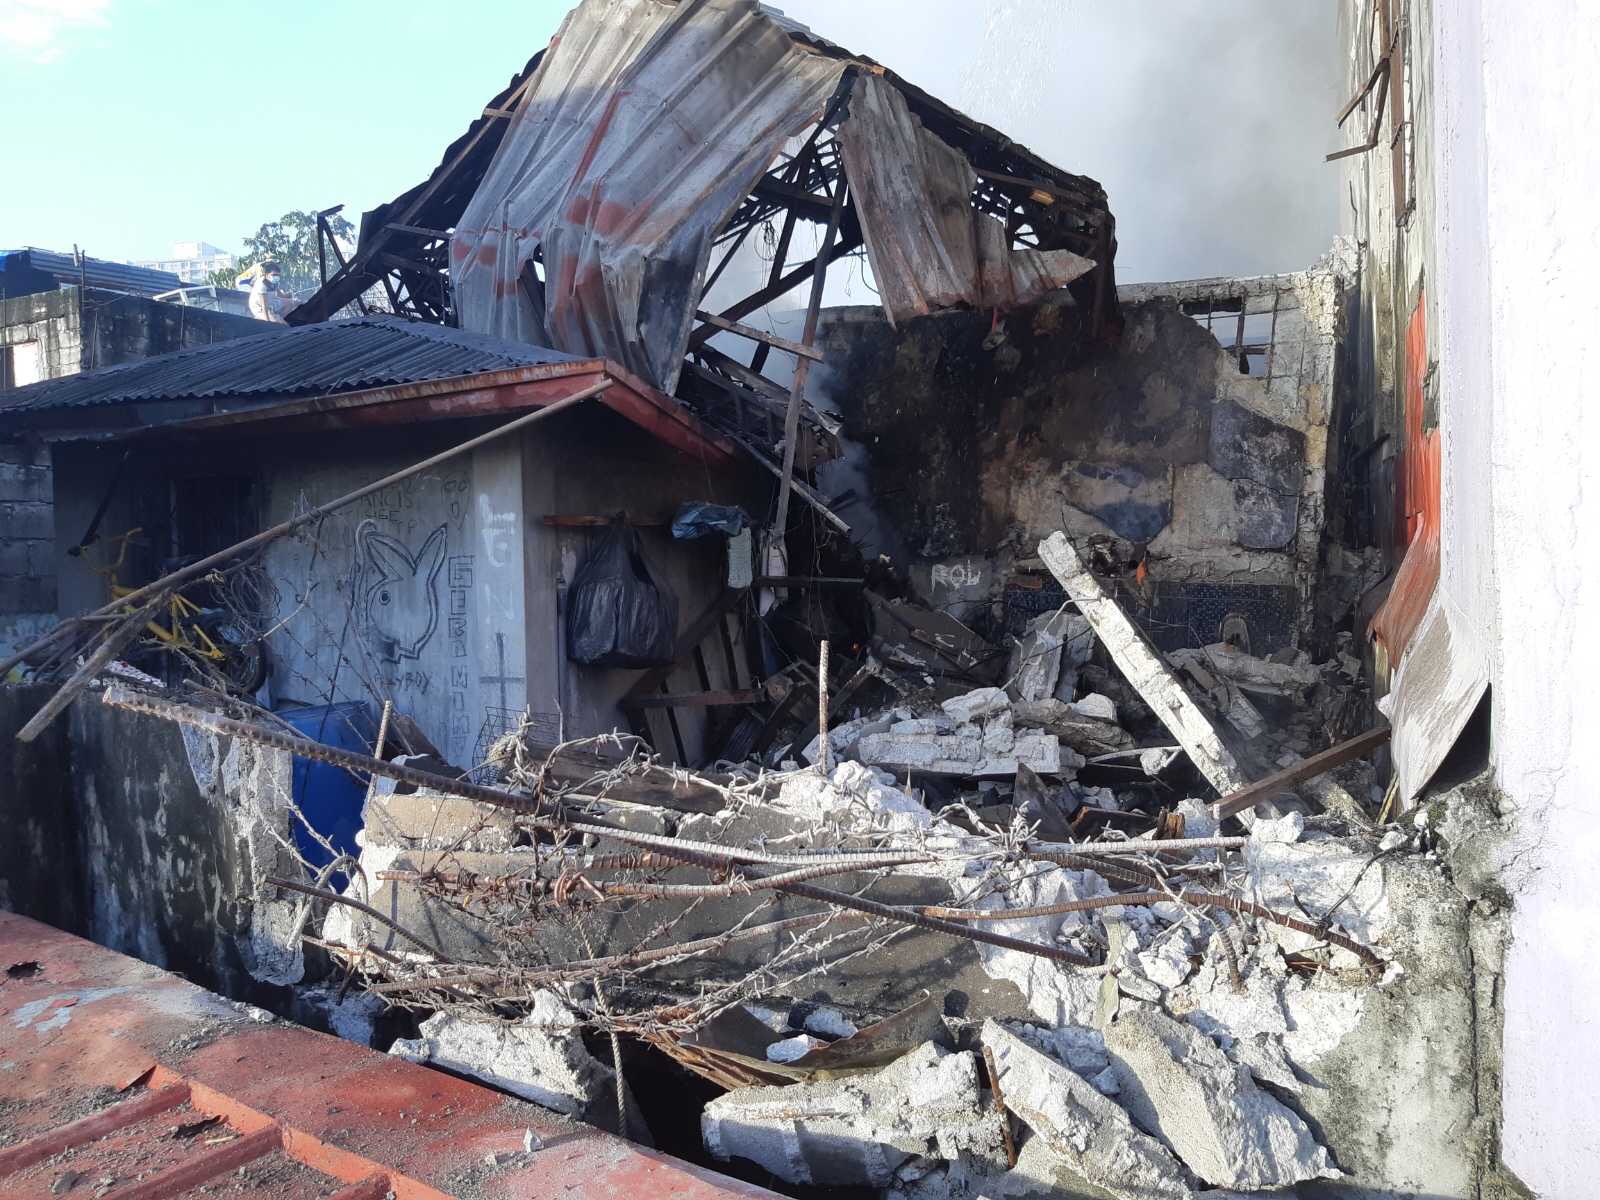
{"x": 643, "y": 129}
{"x": 929, "y": 248}
{"x": 96, "y": 272}
{"x": 334, "y": 356}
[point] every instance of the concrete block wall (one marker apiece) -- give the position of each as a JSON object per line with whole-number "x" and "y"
{"x": 27, "y": 520}
{"x": 51, "y": 319}
{"x": 27, "y": 542}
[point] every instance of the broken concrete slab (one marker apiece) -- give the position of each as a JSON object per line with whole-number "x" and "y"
{"x": 1080, "y": 1047}
{"x": 854, "y": 798}
{"x": 540, "y": 1057}
{"x": 1096, "y": 705}
{"x": 954, "y": 754}
{"x": 1142, "y": 666}
{"x": 1056, "y": 993}
{"x": 1267, "y": 1061}
{"x": 979, "y": 702}
{"x": 1259, "y": 675}
{"x": 1180, "y": 1087}
{"x": 999, "y": 733}
{"x": 964, "y": 754}
{"x": 1089, "y": 736}
{"x": 1045, "y": 661}
{"x": 426, "y": 819}
{"x": 1324, "y": 877}
{"x": 842, "y": 739}
{"x": 1081, "y": 1130}
{"x": 858, "y": 1130}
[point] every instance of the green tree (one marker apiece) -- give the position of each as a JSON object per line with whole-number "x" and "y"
{"x": 291, "y": 242}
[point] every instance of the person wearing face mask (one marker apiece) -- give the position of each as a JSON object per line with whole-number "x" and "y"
{"x": 267, "y": 303}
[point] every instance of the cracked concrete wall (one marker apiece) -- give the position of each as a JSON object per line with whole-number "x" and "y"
{"x": 41, "y": 861}
{"x": 179, "y": 831}
{"x": 976, "y": 436}
{"x": 151, "y": 839}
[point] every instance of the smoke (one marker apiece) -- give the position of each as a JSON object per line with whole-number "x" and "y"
{"x": 1205, "y": 120}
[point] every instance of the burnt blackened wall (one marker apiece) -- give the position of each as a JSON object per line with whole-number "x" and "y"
{"x": 27, "y": 542}
{"x": 151, "y": 839}
{"x": 179, "y": 831}
{"x": 969, "y": 439}
{"x": 41, "y": 868}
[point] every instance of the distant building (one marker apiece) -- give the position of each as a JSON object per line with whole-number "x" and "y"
{"x": 193, "y": 262}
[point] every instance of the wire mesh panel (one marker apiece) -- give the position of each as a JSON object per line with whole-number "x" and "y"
{"x": 543, "y": 729}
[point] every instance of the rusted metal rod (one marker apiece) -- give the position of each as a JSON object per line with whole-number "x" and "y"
{"x": 738, "y": 886}
{"x": 1138, "y": 846}
{"x": 306, "y": 889}
{"x": 1200, "y": 899}
{"x": 637, "y": 958}
{"x": 195, "y": 570}
{"x": 1318, "y": 764}
{"x": 121, "y": 696}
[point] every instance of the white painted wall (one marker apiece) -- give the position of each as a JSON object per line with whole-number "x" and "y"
{"x": 1518, "y": 95}
{"x": 420, "y": 605}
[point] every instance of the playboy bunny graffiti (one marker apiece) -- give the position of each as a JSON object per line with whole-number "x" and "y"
{"x": 396, "y": 593}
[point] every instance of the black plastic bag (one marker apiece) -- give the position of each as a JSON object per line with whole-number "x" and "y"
{"x": 698, "y": 519}
{"x": 617, "y": 614}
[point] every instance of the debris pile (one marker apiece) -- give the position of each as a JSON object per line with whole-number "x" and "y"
{"x": 980, "y": 941}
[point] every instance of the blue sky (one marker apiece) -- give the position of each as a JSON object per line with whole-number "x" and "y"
{"x": 136, "y": 123}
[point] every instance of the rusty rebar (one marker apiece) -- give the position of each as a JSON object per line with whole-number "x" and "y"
{"x": 614, "y": 962}
{"x": 1200, "y": 899}
{"x": 351, "y": 902}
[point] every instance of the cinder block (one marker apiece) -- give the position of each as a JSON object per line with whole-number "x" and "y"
{"x": 27, "y": 521}
{"x": 24, "y": 455}
{"x": 14, "y": 557}
{"x": 25, "y": 484}
{"x": 41, "y": 558}
{"x": 27, "y": 594}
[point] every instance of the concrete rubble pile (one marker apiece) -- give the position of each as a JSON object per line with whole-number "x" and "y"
{"x": 980, "y": 942}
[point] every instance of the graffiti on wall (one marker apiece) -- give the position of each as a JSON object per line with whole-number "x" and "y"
{"x": 397, "y": 590}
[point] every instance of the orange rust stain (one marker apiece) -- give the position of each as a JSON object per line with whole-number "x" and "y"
{"x": 599, "y": 134}
{"x": 1418, "y": 508}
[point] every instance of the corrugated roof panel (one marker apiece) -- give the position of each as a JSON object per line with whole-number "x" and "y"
{"x": 643, "y": 129}
{"x": 929, "y": 247}
{"x": 334, "y": 356}
{"x": 97, "y": 272}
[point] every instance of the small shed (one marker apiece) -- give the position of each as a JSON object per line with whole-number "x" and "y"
{"x": 204, "y": 447}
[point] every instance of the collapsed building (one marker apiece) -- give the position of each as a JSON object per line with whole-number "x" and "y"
{"x": 1013, "y": 740}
